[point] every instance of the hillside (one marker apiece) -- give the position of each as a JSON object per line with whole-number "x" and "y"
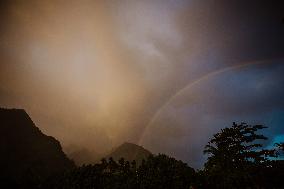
{"x": 129, "y": 152}
{"x": 26, "y": 153}
{"x": 84, "y": 156}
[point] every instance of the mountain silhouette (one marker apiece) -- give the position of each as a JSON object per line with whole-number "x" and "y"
{"x": 129, "y": 152}
{"x": 26, "y": 153}
{"x": 84, "y": 156}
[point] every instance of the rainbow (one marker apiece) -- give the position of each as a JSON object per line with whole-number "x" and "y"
{"x": 198, "y": 81}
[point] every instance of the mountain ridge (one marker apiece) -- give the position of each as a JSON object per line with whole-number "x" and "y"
{"x": 129, "y": 151}
{"x": 25, "y": 151}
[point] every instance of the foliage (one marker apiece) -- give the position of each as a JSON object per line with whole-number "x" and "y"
{"x": 235, "y": 158}
{"x": 280, "y": 146}
{"x": 158, "y": 171}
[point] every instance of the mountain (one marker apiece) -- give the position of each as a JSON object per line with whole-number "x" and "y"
{"x": 129, "y": 152}
{"x": 84, "y": 156}
{"x": 27, "y": 155}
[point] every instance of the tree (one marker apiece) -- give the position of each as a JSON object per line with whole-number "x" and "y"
{"x": 162, "y": 172}
{"x": 280, "y": 146}
{"x": 232, "y": 155}
{"x": 159, "y": 172}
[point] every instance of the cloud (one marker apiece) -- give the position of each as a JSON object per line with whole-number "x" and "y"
{"x": 106, "y": 68}
{"x": 252, "y": 94}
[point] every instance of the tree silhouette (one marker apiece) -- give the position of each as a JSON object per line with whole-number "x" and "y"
{"x": 156, "y": 172}
{"x": 233, "y": 155}
{"x": 161, "y": 172}
{"x": 280, "y": 146}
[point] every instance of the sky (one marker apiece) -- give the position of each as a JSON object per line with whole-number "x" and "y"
{"x": 165, "y": 74}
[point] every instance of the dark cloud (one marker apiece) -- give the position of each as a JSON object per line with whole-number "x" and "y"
{"x": 221, "y": 24}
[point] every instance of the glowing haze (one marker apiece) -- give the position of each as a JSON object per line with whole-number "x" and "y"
{"x": 97, "y": 73}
